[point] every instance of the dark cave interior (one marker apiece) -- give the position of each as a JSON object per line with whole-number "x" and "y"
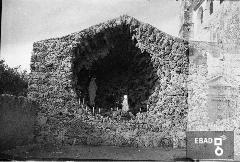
{"x": 120, "y": 69}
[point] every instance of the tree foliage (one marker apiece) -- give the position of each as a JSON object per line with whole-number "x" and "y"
{"x": 13, "y": 80}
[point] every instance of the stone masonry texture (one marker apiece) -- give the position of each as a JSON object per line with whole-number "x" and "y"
{"x": 55, "y": 64}
{"x": 165, "y": 74}
{"x": 52, "y": 63}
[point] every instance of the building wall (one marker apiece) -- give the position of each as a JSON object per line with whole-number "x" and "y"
{"x": 17, "y": 121}
{"x": 186, "y": 25}
{"x": 221, "y": 28}
{"x": 209, "y": 90}
{"x": 212, "y": 107}
{"x": 221, "y": 25}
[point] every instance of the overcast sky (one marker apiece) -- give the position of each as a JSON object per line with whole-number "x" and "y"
{"x": 27, "y": 21}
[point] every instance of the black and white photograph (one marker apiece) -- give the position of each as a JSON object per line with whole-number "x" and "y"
{"x": 120, "y": 80}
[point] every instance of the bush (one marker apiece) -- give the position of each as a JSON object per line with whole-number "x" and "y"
{"x": 12, "y": 80}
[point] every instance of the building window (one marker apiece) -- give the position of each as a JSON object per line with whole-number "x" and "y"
{"x": 221, "y": 1}
{"x": 211, "y": 7}
{"x": 200, "y": 15}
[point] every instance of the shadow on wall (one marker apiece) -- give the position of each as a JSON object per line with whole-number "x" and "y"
{"x": 17, "y": 120}
{"x": 120, "y": 69}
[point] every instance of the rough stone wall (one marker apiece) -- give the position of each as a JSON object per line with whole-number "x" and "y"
{"x": 52, "y": 80}
{"x": 17, "y": 121}
{"x": 168, "y": 103}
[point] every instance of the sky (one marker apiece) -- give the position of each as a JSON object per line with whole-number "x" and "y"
{"x": 28, "y": 21}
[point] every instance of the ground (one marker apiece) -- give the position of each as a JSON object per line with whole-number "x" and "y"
{"x": 96, "y": 153}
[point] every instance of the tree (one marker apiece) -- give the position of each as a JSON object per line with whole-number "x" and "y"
{"x": 12, "y": 80}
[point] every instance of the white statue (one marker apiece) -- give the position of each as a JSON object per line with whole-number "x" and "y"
{"x": 125, "y": 106}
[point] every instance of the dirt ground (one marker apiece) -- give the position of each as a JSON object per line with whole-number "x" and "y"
{"x": 93, "y": 153}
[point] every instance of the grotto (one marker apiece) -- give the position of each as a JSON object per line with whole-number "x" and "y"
{"x": 127, "y": 57}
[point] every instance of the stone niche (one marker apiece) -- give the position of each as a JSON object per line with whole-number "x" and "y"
{"x": 120, "y": 69}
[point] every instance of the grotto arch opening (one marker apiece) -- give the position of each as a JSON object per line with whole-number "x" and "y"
{"x": 120, "y": 68}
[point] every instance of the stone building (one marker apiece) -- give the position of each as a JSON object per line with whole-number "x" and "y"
{"x": 216, "y": 22}
{"x": 210, "y": 20}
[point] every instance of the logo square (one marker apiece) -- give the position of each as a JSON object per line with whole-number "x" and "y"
{"x": 210, "y": 145}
